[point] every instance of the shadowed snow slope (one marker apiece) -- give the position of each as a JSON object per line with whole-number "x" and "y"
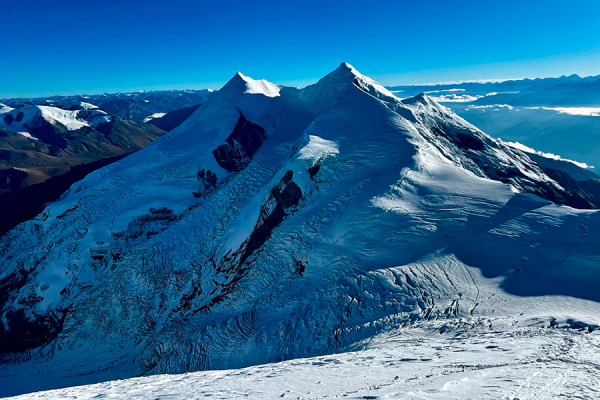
{"x": 278, "y": 223}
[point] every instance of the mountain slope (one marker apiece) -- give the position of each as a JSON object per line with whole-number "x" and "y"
{"x": 43, "y": 141}
{"x": 277, "y": 223}
{"x": 173, "y": 119}
{"x": 554, "y": 115}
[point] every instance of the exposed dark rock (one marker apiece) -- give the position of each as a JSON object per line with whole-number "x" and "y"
{"x": 541, "y": 189}
{"x": 290, "y": 195}
{"x": 469, "y": 142}
{"x": 312, "y": 171}
{"x": 300, "y": 267}
{"x": 150, "y": 224}
{"x": 584, "y": 194}
{"x": 19, "y": 331}
{"x": 207, "y": 182}
{"x": 23, "y": 332}
{"x": 8, "y": 119}
{"x": 577, "y": 194}
{"x": 287, "y": 177}
{"x": 9, "y": 285}
{"x": 240, "y": 146}
{"x": 284, "y": 198}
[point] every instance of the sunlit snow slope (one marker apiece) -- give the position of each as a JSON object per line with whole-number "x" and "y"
{"x": 278, "y": 223}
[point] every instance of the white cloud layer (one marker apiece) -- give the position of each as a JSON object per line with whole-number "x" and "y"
{"x": 455, "y": 98}
{"x": 581, "y": 111}
{"x": 458, "y": 98}
{"x": 528, "y": 149}
{"x": 494, "y": 107}
{"x": 446, "y": 90}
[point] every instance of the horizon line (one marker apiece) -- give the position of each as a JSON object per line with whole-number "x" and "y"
{"x": 440, "y": 83}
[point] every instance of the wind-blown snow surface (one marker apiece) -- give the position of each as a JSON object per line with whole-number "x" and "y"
{"x": 335, "y": 214}
{"x": 524, "y": 363}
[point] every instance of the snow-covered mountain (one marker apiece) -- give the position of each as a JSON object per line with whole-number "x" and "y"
{"x": 277, "y": 223}
{"x": 134, "y": 106}
{"x": 571, "y": 90}
{"x": 45, "y": 120}
{"x": 45, "y": 138}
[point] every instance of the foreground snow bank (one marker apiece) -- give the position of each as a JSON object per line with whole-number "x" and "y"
{"x": 527, "y": 363}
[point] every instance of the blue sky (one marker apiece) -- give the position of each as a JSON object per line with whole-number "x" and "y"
{"x": 65, "y": 47}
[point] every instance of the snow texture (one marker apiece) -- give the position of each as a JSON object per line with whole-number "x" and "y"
{"x": 525, "y": 363}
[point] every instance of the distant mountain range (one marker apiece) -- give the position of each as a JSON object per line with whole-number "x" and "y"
{"x": 39, "y": 142}
{"x": 134, "y": 106}
{"x": 567, "y": 91}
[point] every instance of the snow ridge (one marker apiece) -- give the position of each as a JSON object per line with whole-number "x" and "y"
{"x": 259, "y": 86}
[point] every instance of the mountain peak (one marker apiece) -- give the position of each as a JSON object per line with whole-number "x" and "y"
{"x": 348, "y": 68}
{"x": 239, "y": 75}
{"x": 322, "y": 94}
{"x": 344, "y": 72}
{"x": 420, "y": 98}
{"x": 424, "y": 101}
{"x": 242, "y": 84}
{"x": 236, "y": 80}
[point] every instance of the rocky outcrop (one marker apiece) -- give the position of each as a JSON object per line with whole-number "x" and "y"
{"x": 283, "y": 196}
{"x": 240, "y": 146}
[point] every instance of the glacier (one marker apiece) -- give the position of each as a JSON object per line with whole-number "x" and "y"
{"x": 333, "y": 222}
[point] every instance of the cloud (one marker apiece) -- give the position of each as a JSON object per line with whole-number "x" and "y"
{"x": 446, "y": 90}
{"x": 581, "y": 111}
{"x": 528, "y": 149}
{"x": 455, "y": 98}
{"x": 494, "y": 107}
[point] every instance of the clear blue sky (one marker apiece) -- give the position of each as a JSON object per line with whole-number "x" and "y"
{"x": 52, "y": 47}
